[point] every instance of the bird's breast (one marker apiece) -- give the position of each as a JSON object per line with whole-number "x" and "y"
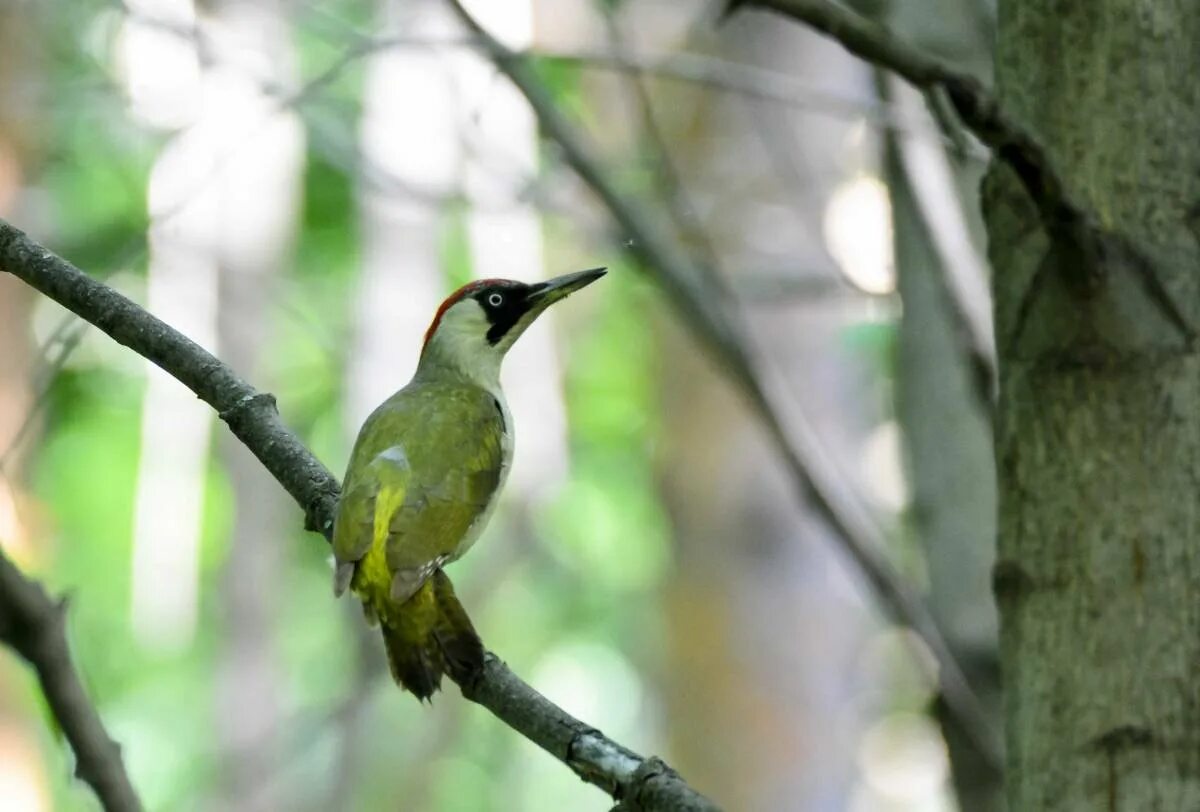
{"x": 506, "y": 458}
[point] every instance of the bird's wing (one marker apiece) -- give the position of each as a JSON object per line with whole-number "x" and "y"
{"x": 434, "y": 458}
{"x": 460, "y": 459}
{"x": 371, "y": 497}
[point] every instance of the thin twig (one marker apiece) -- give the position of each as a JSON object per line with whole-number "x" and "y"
{"x": 721, "y": 332}
{"x": 672, "y": 187}
{"x": 963, "y": 270}
{"x": 692, "y": 68}
{"x": 1081, "y": 248}
{"x": 1074, "y": 229}
{"x": 979, "y": 110}
{"x": 748, "y": 81}
{"x": 1009, "y": 140}
{"x": 67, "y": 340}
{"x": 33, "y": 625}
{"x": 252, "y": 417}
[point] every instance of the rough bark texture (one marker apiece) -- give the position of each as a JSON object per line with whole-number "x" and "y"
{"x": 1098, "y": 435}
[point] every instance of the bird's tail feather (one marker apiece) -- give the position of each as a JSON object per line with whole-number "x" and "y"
{"x": 429, "y": 636}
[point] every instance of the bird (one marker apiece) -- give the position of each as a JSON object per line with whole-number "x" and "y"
{"x": 424, "y": 475}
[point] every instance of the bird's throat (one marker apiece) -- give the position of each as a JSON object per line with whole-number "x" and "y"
{"x": 448, "y": 356}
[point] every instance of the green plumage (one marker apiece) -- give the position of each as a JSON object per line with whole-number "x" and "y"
{"x": 424, "y": 475}
{"x": 424, "y": 471}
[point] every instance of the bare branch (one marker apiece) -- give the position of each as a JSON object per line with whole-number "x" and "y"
{"x": 719, "y": 329}
{"x": 671, "y": 186}
{"x": 699, "y": 69}
{"x": 964, "y": 270}
{"x": 32, "y": 624}
{"x": 640, "y": 784}
{"x": 979, "y": 110}
{"x": 1071, "y": 225}
{"x": 1073, "y": 228}
{"x": 67, "y": 340}
{"x": 252, "y": 417}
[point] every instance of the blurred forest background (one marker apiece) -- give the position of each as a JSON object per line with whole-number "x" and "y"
{"x": 296, "y": 185}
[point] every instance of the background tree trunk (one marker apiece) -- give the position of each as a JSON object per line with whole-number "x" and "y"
{"x": 259, "y": 204}
{"x": 762, "y": 726}
{"x": 942, "y": 410}
{"x": 1098, "y": 435}
{"x": 22, "y": 775}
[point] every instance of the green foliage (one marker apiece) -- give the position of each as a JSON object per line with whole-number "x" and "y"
{"x": 86, "y": 468}
{"x": 875, "y": 341}
{"x": 456, "y": 256}
{"x": 564, "y": 79}
{"x": 607, "y": 526}
{"x": 327, "y": 241}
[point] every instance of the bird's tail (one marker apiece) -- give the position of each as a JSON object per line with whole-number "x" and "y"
{"x": 429, "y": 636}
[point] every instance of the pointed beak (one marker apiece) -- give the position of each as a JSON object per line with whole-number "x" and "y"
{"x": 560, "y": 287}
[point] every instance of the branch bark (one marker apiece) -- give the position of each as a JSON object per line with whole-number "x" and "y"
{"x": 708, "y": 314}
{"x": 1098, "y": 421}
{"x": 637, "y": 782}
{"x": 1090, "y": 249}
{"x": 32, "y": 624}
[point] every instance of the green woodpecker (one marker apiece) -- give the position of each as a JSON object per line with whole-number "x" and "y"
{"x": 424, "y": 475}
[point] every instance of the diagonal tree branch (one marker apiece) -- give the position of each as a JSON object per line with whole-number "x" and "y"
{"x": 718, "y": 329}
{"x": 638, "y": 783}
{"x": 1073, "y": 228}
{"x": 32, "y": 624}
{"x": 978, "y": 109}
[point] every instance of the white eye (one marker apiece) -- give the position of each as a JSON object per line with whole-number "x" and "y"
{"x": 495, "y": 299}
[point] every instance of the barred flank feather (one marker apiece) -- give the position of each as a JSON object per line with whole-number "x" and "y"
{"x": 429, "y": 636}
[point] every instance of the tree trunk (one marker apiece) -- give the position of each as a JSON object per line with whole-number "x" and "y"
{"x": 1098, "y": 434}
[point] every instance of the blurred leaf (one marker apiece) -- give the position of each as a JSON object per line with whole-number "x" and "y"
{"x": 875, "y": 341}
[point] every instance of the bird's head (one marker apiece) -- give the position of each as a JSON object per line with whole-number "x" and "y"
{"x": 478, "y": 323}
